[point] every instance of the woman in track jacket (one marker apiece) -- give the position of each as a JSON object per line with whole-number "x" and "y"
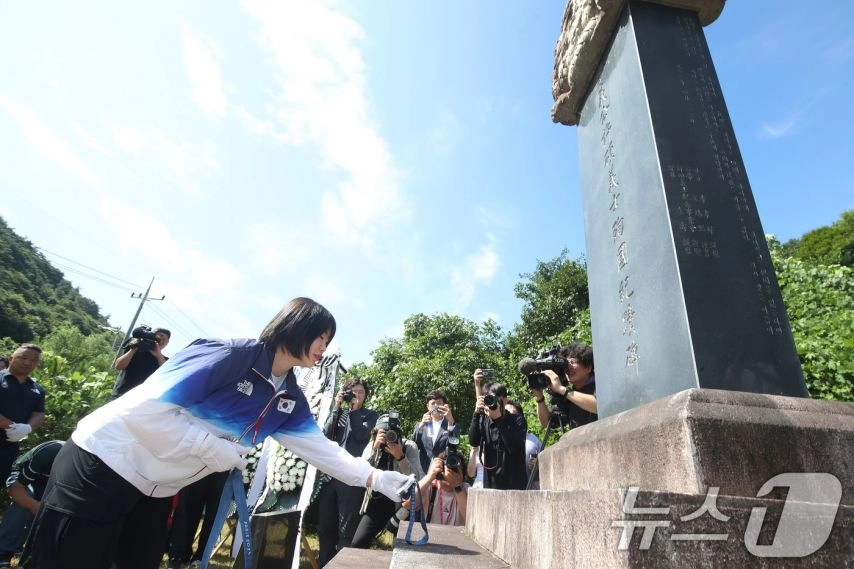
{"x": 110, "y": 489}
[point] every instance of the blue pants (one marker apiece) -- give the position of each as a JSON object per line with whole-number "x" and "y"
{"x": 13, "y": 530}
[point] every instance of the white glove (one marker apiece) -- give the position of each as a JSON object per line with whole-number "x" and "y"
{"x": 18, "y": 431}
{"x": 223, "y": 455}
{"x": 390, "y": 483}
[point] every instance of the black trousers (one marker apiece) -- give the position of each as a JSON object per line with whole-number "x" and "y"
{"x": 200, "y": 496}
{"x": 90, "y": 517}
{"x": 377, "y": 514}
{"x": 8, "y": 453}
{"x": 339, "y": 514}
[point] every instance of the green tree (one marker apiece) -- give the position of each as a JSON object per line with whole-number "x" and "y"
{"x": 555, "y": 296}
{"x": 819, "y": 301}
{"x": 35, "y": 297}
{"x": 828, "y": 245}
{"x": 436, "y": 352}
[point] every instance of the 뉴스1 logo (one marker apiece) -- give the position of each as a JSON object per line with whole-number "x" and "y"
{"x": 286, "y": 405}
{"x": 804, "y": 527}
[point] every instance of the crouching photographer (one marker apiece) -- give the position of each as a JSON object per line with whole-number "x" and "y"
{"x": 501, "y": 439}
{"x": 444, "y": 492}
{"x": 388, "y": 451}
{"x": 567, "y": 375}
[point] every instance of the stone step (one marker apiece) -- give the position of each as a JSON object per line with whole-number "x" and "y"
{"x": 448, "y": 547}
{"x": 352, "y": 558}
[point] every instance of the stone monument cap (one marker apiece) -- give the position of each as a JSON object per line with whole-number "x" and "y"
{"x": 585, "y": 32}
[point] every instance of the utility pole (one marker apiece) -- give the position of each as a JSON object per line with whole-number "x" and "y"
{"x": 143, "y": 298}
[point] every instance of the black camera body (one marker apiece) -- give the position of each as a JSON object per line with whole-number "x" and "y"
{"x": 491, "y": 401}
{"x": 453, "y": 460}
{"x": 548, "y": 360}
{"x": 147, "y": 338}
{"x": 347, "y": 396}
{"x": 394, "y": 431}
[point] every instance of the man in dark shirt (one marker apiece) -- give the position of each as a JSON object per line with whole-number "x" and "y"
{"x": 26, "y": 484}
{"x": 350, "y": 426}
{"x": 574, "y": 394}
{"x": 21, "y": 403}
{"x": 136, "y": 363}
{"x": 501, "y": 438}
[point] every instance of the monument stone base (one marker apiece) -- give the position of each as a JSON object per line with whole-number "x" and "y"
{"x": 678, "y": 482}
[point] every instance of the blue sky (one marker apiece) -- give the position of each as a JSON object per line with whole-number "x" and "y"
{"x": 384, "y": 158}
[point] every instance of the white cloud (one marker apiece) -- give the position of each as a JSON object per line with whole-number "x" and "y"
{"x": 90, "y": 140}
{"x": 179, "y": 160}
{"x": 322, "y": 102}
{"x": 778, "y": 130}
{"x": 477, "y": 268}
{"x": 191, "y": 278}
{"x": 445, "y": 134}
{"x": 200, "y": 60}
{"x": 255, "y": 125}
{"x": 45, "y": 141}
{"x": 491, "y": 316}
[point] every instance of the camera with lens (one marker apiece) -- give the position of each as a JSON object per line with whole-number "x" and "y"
{"x": 453, "y": 460}
{"x": 393, "y": 430}
{"x": 491, "y": 401}
{"x": 347, "y": 395}
{"x": 147, "y": 338}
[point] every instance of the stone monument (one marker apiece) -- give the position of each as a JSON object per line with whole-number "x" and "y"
{"x": 708, "y": 452}
{"x": 682, "y": 290}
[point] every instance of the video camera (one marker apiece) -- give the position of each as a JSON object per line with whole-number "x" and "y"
{"x": 533, "y": 368}
{"x": 147, "y": 338}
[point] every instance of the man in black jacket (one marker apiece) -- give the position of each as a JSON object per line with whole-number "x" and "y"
{"x": 350, "y": 426}
{"x": 26, "y": 485}
{"x": 139, "y": 360}
{"x": 501, "y": 438}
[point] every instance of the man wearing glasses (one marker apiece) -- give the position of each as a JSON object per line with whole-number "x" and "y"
{"x": 574, "y": 394}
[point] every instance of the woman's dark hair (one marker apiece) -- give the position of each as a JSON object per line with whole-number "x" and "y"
{"x": 297, "y": 325}
{"x": 351, "y": 382}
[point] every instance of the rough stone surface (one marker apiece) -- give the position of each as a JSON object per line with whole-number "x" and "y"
{"x": 700, "y": 438}
{"x": 449, "y": 546}
{"x": 574, "y": 529}
{"x": 585, "y": 32}
{"x": 352, "y": 558}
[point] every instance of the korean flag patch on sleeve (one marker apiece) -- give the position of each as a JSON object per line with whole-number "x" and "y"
{"x": 286, "y": 405}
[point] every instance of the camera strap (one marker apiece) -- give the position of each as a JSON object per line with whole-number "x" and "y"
{"x": 425, "y": 537}
{"x": 233, "y": 490}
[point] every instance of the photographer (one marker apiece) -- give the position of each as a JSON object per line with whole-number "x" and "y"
{"x": 350, "y": 426}
{"x": 573, "y": 392}
{"x": 444, "y": 492}
{"x": 437, "y": 424}
{"x": 389, "y": 451}
{"x": 141, "y": 357}
{"x": 501, "y": 439}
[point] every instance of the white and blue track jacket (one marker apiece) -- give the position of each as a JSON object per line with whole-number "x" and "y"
{"x": 153, "y": 435}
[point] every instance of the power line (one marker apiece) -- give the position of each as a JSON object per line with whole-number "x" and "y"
{"x": 91, "y": 277}
{"x": 101, "y": 280}
{"x": 134, "y": 285}
{"x": 174, "y": 325}
{"x": 190, "y": 320}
